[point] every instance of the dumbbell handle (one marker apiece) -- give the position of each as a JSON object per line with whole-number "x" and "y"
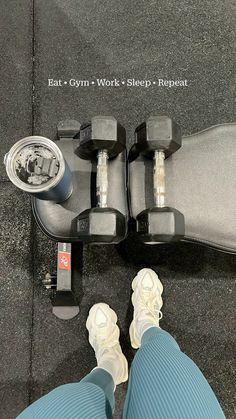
{"x": 102, "y": 179}
{"x": 159, "y": 179}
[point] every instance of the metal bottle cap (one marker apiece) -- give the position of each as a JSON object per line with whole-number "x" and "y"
{"x": 35, "y": 164}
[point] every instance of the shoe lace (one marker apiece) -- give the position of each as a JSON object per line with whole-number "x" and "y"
{"x": 150, "y": 305}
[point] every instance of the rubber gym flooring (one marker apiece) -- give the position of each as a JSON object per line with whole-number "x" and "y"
{"x": 87, "y": 39}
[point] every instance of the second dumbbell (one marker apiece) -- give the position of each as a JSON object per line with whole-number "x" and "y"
{"x": 157, "y": 139}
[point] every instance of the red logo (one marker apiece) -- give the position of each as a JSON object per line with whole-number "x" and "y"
{"x": 64, "y": 260}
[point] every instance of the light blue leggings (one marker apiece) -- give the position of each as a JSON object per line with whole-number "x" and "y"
{"x": 164, "y": 384}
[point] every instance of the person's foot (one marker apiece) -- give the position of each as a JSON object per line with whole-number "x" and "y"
{"x": 147, "y": 303}
{"x": 104, "y": 338}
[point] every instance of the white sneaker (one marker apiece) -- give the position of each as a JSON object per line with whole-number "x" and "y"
{"x": 104, "y": 338}
{"x": 147, "y": 303}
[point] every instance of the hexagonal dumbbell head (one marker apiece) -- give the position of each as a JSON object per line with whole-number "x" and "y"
{"x": 160, "y": 225}
{"x": 101, "y": 225}
{"x": 102, "y": 133}
{"x": 157, "y": 133}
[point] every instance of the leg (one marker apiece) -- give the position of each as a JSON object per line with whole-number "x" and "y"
{"x": 164, "y": 383}
{"x": 90, "y": 398}
{"x": 93, "y": 396}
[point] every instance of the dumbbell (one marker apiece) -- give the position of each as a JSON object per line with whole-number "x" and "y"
{"x": 101, "y": 139}
{"x": 158, "y": 138}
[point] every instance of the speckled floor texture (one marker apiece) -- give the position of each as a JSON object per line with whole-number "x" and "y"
{"x": 85, "y": 39}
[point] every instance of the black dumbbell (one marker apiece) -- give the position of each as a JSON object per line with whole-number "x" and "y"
{"x": 158, "y": 138}
{"x": 101, "y": 139}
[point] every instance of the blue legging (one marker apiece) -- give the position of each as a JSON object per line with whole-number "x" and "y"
{"x": 164, "y": 384}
